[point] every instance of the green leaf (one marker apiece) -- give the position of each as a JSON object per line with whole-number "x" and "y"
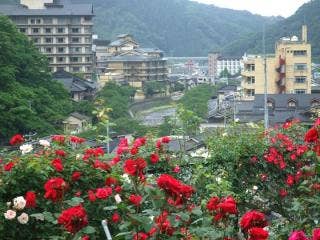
{"x": 110, "y": 208}
{"x": 89, "y": 230}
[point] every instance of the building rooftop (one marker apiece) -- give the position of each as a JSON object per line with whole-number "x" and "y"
{"x": 133, "y": 58}
{"x": 101, "y": 42}
{"x": 64, "y": 7}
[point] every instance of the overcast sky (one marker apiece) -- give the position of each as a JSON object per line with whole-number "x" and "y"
{"x": 283, "y": 8}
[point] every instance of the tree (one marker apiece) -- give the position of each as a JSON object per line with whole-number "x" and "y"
{"x": 29, "y": 99}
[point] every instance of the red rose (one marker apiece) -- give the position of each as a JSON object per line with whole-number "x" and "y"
{"x": 73, "y": 219}
{"x": 212, "y": 203}
{"x": 298, "y": 235}
{"x": 101, "y": 165}
{"x": 165, "y": 139}
{"x": 85, "y": 237}
{"x": 103, "y": 193}
{"x": 316, "y": 231}
{"x": 316, "y": 149}
{"x": 317, "y": 123}
{"x": 111, "y": 181}
{"x": 283, "y": 193}
{"x": 60, "y": 153}
{"x": 8, "y": 166}
{"x": 16, "y": 139}
{"x": 91, "y": 196}
{"x": 76, "y": 176}
{"x": 58, "y": 139}
{"x": 116, "y": 218}
{"x": 176, "y": 169}
{"x": 252, "y": 219}
{"x": 139, "y": 142}
{"x": 134, "y": 167}
{"x": 31, "y": 199}
{"x": 140, "y": 236}
{"x": 290, "y": 180}
{"x": 311, "y": 136}
{"x": 229, "y": 206}
{"x": 263, "y": 177}
{"x": 257, "y": 233}
{"x": 135, "y": 199}
{"x": 57, "y": 164}
{"x": 78, "y": 140}
{"x": 55, "y": 189}
{"x": 116, "y": 159}
{"x": 134, "y": 150}
{"x": 118, "y": 189}
{"x": 154, "y": 158}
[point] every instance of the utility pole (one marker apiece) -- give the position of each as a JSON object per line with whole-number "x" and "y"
{"x": 266, "y": 114}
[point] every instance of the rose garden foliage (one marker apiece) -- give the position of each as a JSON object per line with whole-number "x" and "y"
{"x": 255, "y": 185}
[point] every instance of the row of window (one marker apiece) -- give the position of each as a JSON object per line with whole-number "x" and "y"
{"x": 72, "y": 69}
{"x": 60, "y": 20}
{"x": 59, "y": 30}
{"x": 63, "y": 50}
{"x": 61, "y": 40}
{"x": 251, "y": 92}
{"x": 293, "y": 103}
{"x": 71, "y": 59}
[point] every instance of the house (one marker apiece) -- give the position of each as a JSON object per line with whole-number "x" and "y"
{"x": 79, "y": 88}
{"x": 281, "y": 108}
{"x": 76, "y": 123}
{"x": 192, "y": 146}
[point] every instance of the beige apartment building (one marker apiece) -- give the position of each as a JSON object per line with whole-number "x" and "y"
{"x": 288, "y": 70}
{"x": 60, "y": 29}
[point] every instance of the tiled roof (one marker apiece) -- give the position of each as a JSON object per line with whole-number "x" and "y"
{"x": 66, "y": 8}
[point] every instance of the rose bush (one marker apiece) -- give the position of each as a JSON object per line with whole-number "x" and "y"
{"x": 267, "y": 187}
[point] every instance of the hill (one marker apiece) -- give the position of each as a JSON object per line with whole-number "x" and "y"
{"x": 179, "y": 27}
{"x": 307, "y": 13}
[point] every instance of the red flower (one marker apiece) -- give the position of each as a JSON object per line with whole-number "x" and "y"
{"x": 311, "y": 136}
{"x": 103, "y": 193}
{"x": 134, "y": 150}
{"x": 16, "y": 139}
{"x": 164, "y": 224}
{"x": 316, "y": 149}
{"x": 257, "y": 233}
{"x": 8, "y": 166}
{"x": 91, "y": 196}
{"x": 85, "y": 237}
{"x": 115, "y": 160}
{"x": 283, "y": 193}
{"x": 213, "y": 203}
{"x": 57, "y": 164}
{"x": 73, "y": 219}
{"x": 316, "y": 231}
{"x": 140, "y": 236}
{"x": 118, "y": 189}
{"x": 31, "y": 199}
{"x": 77, "y": 140}
{"x": 298, "y": 235}
{"x": 111, "y": 181}
{"x": 58, "y": 139}
{"x": 139, "y": 142}
{"x": 116, "y": 218}
{"x": 154, "y": 158}
{"x": 176, "y": 169}
{"x": 55, "y": 188}
{"x": 135, "y": 199}
{"x": 76, "y": 176}
{"x": 317, "y": 123}
{"x": 60, "y": 153}
{"x": 101, "y": 165}
{"x": 228, "y": 205}
{"x": 165, "y": 139}
{"x": 253, "y": 219}
{"x": 134, "y": 167}
{"x": 290, "y": 180}
{"x": 263, "y": 177}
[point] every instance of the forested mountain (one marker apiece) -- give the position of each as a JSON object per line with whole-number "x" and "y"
{"x": 179, "y": 27}
{"x": 307, "y": 14}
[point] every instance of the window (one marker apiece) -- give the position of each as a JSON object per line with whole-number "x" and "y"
{"x": 38, "y": 20}
{"x": 36, "y": 40}
{"x": 75, "y": 30}
{"x": 87, "y": 40}
{"x": 251, "y": 67}
{"x": 35, "y": 30}
{"x": 300, "y": 79}
{"x": 60, "y": 30}
{"x": 87, "y": 30}
{"x": 48, "y": 20}
{"x": 23, "y": 30}
{"x": 48, "y": 50}
{"x": 76, "y": 69}
{"x": 60, "y": 68}
{"x": 300, "y": 91}
{"x": 300, "y": 66}
{"x": 87, "y": 18}
{"x": 47, "y": 30}
{"x": 60, "y": 49}
{"x": 74, "y": 59}
{"x": 271, "y": 104}
{"x": 300, "y": 53}
{"x": 32, "y": 21}
{"x": 292, "y": 103}
{"x": 88, "y": 69}
{"x": 76, "y": 50}
{"x": 75, "y": 40}
{"x": 60, "y": 59}
{"x": 250, "y": 92}
{"x": 50, "y": 59}
{"x": 60, "y": 40}
{"x": 48, "y": 40}
{"x": 251, "y": 80}
{"x": 88, "y": 59}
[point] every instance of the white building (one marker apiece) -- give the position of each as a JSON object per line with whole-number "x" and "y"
{"x": 217, "y": 64}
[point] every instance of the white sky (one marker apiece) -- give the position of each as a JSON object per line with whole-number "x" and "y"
{"x": 283, "y": 8}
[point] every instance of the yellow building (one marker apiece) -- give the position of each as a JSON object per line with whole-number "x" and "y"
{"x": 288, "y": 70}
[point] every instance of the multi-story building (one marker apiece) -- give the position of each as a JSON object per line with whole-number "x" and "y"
{"x": 126, "y": 63}
{"x": 287, "y": 71}
{"x": 217, "y": 64}
{"x": 60, "y": 29}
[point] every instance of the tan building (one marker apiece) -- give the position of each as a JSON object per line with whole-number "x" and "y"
{"x": 76, "y": 123}
{"x": 288, "y": 70}
{"x": 60, "y": 29}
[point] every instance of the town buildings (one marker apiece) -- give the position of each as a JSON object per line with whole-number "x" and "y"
{"x": 218, "y": 64}
{"x": 60, "y": 29}
{"x": 288, "y": 70}
{"x": 125, "y": 62}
